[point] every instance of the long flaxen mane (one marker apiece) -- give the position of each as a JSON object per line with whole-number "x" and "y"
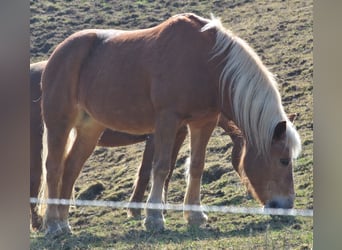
{"x": 253, "y": 90}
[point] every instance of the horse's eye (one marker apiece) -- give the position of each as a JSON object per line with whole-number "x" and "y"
{"x": 285, "y": 161}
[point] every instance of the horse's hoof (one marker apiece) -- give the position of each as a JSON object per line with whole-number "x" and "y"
{"x": 153, "y": 223}
{"x": 134, "y": 213}
{"x": 196, "y": 218}
{"x": 57, "y": 228}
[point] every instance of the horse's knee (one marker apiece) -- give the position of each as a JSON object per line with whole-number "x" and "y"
{"x": 144, "y": 172}
{"x": 161, "y": 169}
{"x": 196, "y": 169}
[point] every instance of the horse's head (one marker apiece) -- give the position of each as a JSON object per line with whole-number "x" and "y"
{"x": 268, "y": 178}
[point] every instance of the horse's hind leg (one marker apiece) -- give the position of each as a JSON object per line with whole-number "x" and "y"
{"x": 199, "y": 136}
{"x": 57, "y": 139}
{"x": 88, "y": 131}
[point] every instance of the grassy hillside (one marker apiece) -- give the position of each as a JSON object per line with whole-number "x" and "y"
{"x": 281, "y": 33}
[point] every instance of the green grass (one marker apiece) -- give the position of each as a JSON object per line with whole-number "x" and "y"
{"x": 281, "y": 33}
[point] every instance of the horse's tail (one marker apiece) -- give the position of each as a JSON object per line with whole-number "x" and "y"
{"x": 43, "y": 194}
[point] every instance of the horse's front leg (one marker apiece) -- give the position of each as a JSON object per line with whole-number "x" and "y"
{"x": 165, "y": 132}
{"x": 180, "y": 137}
{"x": 199, "y": 135}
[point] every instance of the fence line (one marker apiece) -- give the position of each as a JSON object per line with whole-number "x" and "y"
{"x": 179, "y": 207}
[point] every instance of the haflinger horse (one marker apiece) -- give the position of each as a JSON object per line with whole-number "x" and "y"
{"x": 109, "y": 138}
{"x": 185, "y": 71}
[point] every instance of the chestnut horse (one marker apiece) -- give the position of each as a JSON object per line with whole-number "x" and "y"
{"x": 109, "y": 138}
{"x": 185, "y": 71}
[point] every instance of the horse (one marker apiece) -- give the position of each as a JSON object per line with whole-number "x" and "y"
{"x": 185, "y": 71}
{"x": 109, "y": 138}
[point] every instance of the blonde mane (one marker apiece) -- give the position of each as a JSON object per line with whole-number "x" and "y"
{"x": 253, "y": 90}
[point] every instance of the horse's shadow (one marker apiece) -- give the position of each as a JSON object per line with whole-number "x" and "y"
{"x": 208, "y": 231}
{"x": 182, "y": 234}
{"x": 261, "y": 227}
{"x": 69, "y": 241}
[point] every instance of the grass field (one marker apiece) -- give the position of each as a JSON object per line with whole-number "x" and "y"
{"x": 281, "y": 33}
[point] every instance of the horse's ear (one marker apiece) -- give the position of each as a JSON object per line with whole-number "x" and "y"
{"x": 279, "y": 131}
{"x": 292, "y": 117}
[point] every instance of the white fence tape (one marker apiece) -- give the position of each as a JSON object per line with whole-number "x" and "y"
{"x": 180, "y": 207}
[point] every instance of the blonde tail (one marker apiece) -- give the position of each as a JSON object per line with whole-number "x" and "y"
{"x": 43, "y": 192}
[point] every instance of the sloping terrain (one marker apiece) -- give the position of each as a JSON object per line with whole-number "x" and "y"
{"x": 281, "y": 33}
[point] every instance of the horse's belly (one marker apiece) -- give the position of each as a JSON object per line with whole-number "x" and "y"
{"x": 130, "y": 121}
{"x": 123, "y": 112}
